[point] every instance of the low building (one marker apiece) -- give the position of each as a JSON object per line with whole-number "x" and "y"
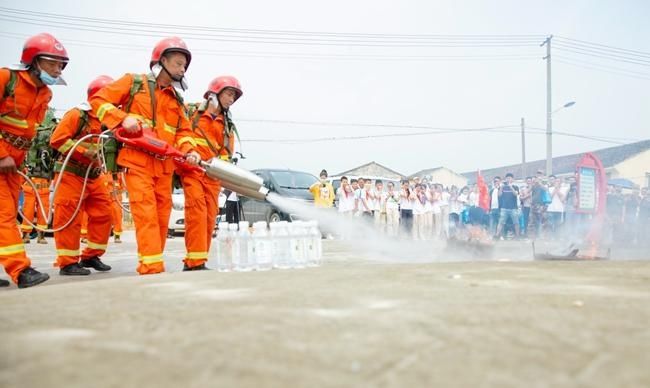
{"x": 630, "y": 162}
{"x": 442, "y": 175}
{"x": 372, "y": 170}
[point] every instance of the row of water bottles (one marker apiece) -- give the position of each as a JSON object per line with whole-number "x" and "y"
{"x": 286, "y": 245}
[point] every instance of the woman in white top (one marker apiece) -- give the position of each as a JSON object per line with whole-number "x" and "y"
{"x": 555, "y": 209}
{"x": 406, "y": 208}
{"x": 444, "y": 211}
{"x": 419, "y": 212}
{"x": 392, "y": 209}
{"x": 345, "y": 195}
{"x": 436, "y": 198}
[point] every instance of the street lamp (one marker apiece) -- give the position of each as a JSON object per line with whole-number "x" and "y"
{"x": 549, "y": 136}
{"x": 567, "y": 105}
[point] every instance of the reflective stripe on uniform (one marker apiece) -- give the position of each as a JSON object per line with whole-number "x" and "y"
{"x": 204, "y": 143}
{"x": 187, "y": 139}
{"x": 197, "y": 255}
{"x": 41, "y": 226}
{"x": 25, "y": 227}
{"x": 12, "y": 249}
{"x": 103, "y": 108}
{"x": 66, "y": 146}
{"x": 94, "y": 245}
{"x": 150, "y": 259}
{"x": 170, "y": 129}
{"x": 68, "y": 252}
{"x": 13, "y": 121}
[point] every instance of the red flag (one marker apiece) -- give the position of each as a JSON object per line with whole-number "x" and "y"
{"x": 483, "y": 196}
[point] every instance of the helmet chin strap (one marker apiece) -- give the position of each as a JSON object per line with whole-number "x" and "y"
{"x": 174, "y": 78}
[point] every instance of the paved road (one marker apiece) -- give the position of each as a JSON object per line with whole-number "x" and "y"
{"x": 359, "y": 320}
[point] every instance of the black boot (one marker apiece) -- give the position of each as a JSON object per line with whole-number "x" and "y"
{"x": 95, "y": 263}
{"x": 31, "y": 277}
{"x": 201, "y": 267}
{"x": 4, "y": 283}
{"x": 74, "y": 270}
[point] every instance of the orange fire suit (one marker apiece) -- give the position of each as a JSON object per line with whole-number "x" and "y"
{"x": 19, "y": 116}
{"x": 202, "y": 192}
{"x": 31, "y": 207}
{"x": 96, "y": 200}
{"x": 148, "y": 178}
{"x": 114, "y": 185}
{"x": 84, "y": 224}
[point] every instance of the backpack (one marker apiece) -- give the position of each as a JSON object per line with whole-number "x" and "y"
{"x": 10, "y": 87}
{"x": 41, "y": 156}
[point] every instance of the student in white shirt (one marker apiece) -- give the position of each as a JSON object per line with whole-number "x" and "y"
{"x": 379, "y": 204}
{"x": 444, "y": 212}
{"x": 406, "y": 208}
{"x": 428, "y": 212}
{"x": 419, "y": 213}
{"x": 345, "y": 195}
{"x": 392, "y": 209}
{"x": 555, "y": 210}
{"x": 436, "y": 198}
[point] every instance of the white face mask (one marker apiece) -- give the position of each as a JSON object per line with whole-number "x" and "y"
{"x": 182, "y": 84}
{"x": 213, "y": 100}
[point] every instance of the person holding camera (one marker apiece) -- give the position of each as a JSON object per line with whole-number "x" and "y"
{"x": 509, "y": 207}
{"x": 323, "y": 191}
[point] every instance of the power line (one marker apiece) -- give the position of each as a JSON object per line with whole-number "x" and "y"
{"x": 295, "y": 55}
{"x": 618, "y": 69}
{"x": 604, "y": 47}
{"x": 573, "y": 49}
{"x": 601, "y": 70}
{"x": 288, "y": 40}
{"x": 605, "y": 139}
{"x": 167, "y": 27}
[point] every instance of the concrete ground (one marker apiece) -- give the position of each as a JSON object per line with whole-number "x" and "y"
{"x": 505, "y": 321}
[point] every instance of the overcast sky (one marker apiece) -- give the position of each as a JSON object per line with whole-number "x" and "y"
{"x": 369, "y": 86}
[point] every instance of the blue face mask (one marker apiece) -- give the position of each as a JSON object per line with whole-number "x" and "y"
{"x": 48, "y": 79}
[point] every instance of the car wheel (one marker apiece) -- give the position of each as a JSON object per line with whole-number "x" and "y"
{"x": 275, "y": 217}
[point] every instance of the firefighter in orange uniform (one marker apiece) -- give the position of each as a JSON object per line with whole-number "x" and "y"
{"x": 214, "y": 134}
{"x": 83, "y": 235}
{"x": 150, "y": 100}
{"x": 25, "y": 95}
{"x": 31, "y": 207}
{"x": 114, "y": 184}
{"x": 96, "y": 201}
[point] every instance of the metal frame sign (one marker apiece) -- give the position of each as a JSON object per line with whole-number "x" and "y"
{"x": 592, "y": 185}
{"x": 587, "y": 192}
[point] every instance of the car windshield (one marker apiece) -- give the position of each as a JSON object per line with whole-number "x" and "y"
{"x": 293, "y": 179}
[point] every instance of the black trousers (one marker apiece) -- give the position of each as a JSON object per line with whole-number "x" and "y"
{"x": 232, "y": 212}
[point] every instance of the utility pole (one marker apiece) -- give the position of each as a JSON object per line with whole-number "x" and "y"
{"x": 523, "y": 149}
{"x": 549, "y": 122}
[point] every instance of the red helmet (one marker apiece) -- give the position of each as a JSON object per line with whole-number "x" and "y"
{"x": 170, "y": 45}
{"x": 220, "y": 83}
{"x": 44, "y": 45}
{"x": 98, "y": 83}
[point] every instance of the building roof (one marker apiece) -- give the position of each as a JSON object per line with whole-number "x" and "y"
{"x": 430, "y": 171}
{"x": 565, "y": 164}
{"x": 373, "y": 169}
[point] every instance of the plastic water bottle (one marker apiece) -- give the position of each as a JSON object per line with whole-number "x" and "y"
{"x": 233, "y": 247}
{"x": 224, "y": 248}
{"x": 280, "y": 243}
{"x": 241, "y": 246}
{"x": 297, "y": 244}
{"x": 261, "y": 242}
{"x": 314, "y": 244}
